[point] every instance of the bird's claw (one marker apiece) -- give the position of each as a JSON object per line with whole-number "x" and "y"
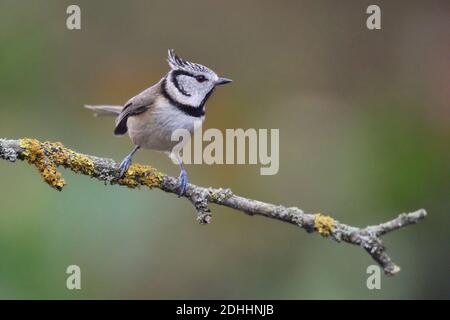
{"x": 182, "y": 183}
{"x": 124, "y": 165}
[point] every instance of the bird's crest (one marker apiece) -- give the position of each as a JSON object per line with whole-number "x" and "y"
{"x": 178, "y": 63}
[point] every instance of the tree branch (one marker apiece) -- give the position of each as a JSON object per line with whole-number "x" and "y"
{"x": 47, "y": 157}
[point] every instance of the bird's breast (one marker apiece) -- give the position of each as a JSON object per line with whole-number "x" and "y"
{"x": 154, "y": 128}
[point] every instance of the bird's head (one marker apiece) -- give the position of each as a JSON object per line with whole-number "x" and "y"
{"x": 190, "y": 83}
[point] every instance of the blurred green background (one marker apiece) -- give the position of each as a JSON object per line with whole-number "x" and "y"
{"x": 364, "y": 123}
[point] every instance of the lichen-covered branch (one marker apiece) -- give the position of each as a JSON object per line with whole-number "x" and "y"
{"x": 48, "y": 156}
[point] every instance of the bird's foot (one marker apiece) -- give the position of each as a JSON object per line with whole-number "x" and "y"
{"x": 182, "y": 183}
{"x": 124, "y": 165}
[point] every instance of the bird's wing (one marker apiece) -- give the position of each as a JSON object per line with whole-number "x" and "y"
{"x": 136, "y": 105}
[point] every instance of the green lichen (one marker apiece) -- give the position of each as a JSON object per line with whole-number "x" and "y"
{"x": 219, "y": 195}
{"x": 323, "y": 224}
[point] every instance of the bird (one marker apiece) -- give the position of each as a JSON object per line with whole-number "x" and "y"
{"x": 176, "y": 101}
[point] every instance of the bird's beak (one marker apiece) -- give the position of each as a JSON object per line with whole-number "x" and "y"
{"x": 222, "y": 81}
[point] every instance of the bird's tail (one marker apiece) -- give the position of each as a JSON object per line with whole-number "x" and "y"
{"x": 105, "y": 110}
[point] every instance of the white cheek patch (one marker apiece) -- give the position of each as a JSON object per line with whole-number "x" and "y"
{"x": 193, "y": 94}
{"x": 185, "y": 89}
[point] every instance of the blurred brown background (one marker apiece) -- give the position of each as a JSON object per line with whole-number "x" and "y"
{"x": 364, "y": 124}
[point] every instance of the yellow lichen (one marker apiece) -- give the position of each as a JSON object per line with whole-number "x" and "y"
{"x": 323, "y": 224}
{"x": 34, "y": 153}
{"x": 139, "y": 174}
{"x": 47, "y": 156}
{"x": 62, "y": 156}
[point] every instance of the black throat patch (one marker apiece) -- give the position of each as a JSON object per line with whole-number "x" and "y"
{"x": 193, "y": 111}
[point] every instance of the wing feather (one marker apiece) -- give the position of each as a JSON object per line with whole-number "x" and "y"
{"x": 135, "y": 106}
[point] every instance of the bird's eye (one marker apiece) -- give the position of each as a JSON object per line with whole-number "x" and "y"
{"x": 200, "y": 78}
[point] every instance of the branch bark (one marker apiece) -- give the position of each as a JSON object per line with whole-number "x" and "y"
{"x": 48, "y": 156}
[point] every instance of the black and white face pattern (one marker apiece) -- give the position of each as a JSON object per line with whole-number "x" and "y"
{"x": 190, "y": 88}
{"x": 188, "y": 85}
